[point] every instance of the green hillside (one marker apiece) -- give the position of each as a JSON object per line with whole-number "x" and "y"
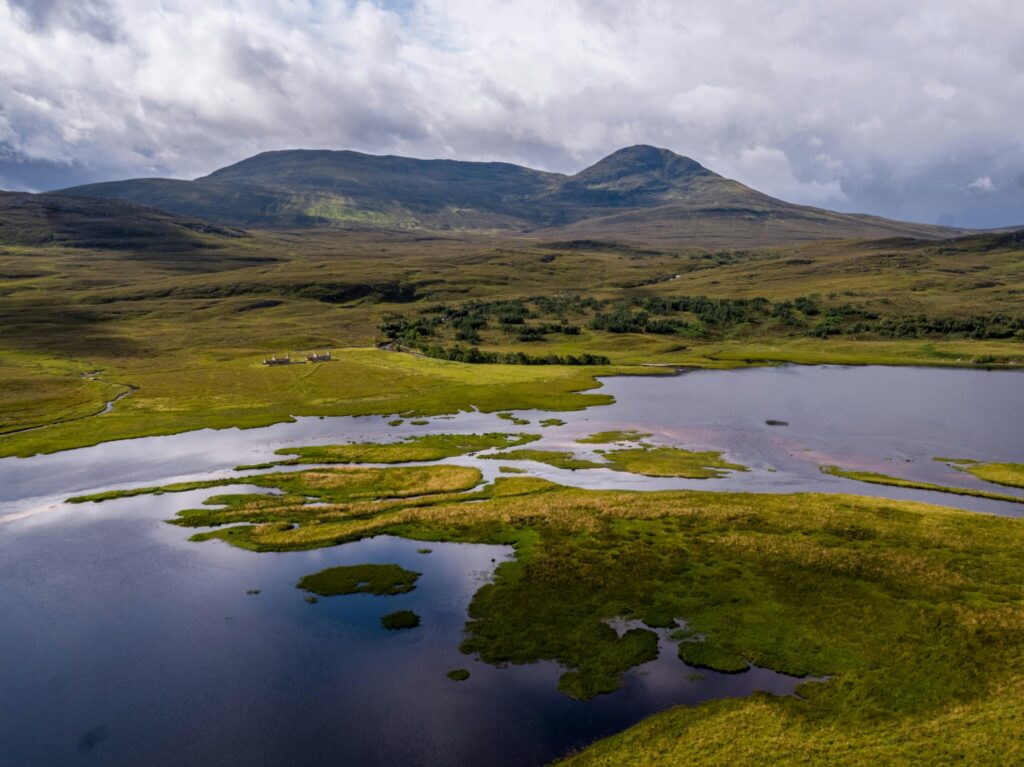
{"x": 639, "y": 193}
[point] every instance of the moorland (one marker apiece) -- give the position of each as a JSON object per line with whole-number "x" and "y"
{"x": 104, "y": 297}
{"x": 149, "y": 306}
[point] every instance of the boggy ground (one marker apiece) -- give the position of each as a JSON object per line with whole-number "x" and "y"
{"x": 915, "y": 612}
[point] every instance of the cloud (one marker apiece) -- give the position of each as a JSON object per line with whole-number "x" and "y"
{"x": 982, "y": 184}
{"x": 878, "y": 107}
{"x": 93, "y": 17}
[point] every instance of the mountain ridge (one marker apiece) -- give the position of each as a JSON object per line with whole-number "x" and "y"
{"x": 638, "y": 193}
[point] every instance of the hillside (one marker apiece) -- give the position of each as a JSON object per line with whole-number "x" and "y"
{"x": 639, "y": 193}
{"x": 55, "y": 219}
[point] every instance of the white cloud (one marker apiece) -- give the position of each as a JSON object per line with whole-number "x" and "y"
{"x": 939, "y": 90}
{"x": 876, "y": 106}
{"x": 982, "y": 184}
{"x": 763, "y": 168}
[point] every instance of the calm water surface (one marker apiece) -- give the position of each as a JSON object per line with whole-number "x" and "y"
{"x": 123, "y": 644}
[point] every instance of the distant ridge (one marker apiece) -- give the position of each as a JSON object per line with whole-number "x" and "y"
{"x": 639, "y": 193}
{"x": 78, "y": 222}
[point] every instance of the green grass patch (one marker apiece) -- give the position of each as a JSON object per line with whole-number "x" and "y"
{"x": 332, "y": 485}
{"x": 552, "y": 422}
{"x": 608, "y": 437}
{"x": 512, "y": 418}
{"x": 381, "y": 580}
{"x": 1009, "y": 474}
{"x": 884, "y": 479}
{"x": 556, "y": 458}
{"x": 458, "y": 674}
{"x": 915, "y": 611}
{"x": 671, "y": 462}
{"x": 429, "y": 447}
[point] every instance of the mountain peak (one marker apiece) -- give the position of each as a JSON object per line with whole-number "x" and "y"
{"x": 637, "y": 175}
{"x": 644, "y": 190}
{"x": 642, "y": 159}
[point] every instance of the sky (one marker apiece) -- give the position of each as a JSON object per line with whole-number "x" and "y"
{"x": 907, "y": 109}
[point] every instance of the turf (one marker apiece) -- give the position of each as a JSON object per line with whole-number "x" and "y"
{"x": 381, "y": 580}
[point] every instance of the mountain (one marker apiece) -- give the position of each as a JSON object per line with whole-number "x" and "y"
{"x": 637, "y": 193}
{"x": 80, "y": 222}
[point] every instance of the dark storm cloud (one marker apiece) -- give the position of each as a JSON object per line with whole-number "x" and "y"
{"x": 94, "y": 17}
{"x": 909, "y": 109}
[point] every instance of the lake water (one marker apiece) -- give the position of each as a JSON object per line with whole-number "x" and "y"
{"x": 124, "y": 644}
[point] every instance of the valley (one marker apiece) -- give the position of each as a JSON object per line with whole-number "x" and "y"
{"x": 639, "y": 459}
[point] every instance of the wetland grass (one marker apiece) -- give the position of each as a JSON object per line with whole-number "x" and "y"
{"x": 869, "y": 591}
{"x": 402, "y": 619}
{"x": 1009, "y": 474}
{"x": 458, "y": 674}
{"x": 671, "y": 462}
{"x": 608, "y": 437}
{"x": 429, "y": 447}
{"x": 380, "y": 580}
{"x": 556, "y": 458}
{"x": 884, "y": 479}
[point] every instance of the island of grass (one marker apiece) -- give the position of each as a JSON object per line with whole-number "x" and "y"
{"x": 671, "y": 462}
{"x": 512, "y": 418}
{"x": 403, "y": 619}
{"x": 345, "y": 485}
{"x": 647, "y": 460}
{"x": 552, "y": 422}
{"x": 884, "y": 479}
{"x": 429, "y": 447}
{"x": 556, "y": 458}
{"x": 915, "y": 611}
{"x": 458, "y": 674}
{"x": 1009, "y": 474}
{"x": 381, "y": 580}
{"x": 608, "y": 437}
